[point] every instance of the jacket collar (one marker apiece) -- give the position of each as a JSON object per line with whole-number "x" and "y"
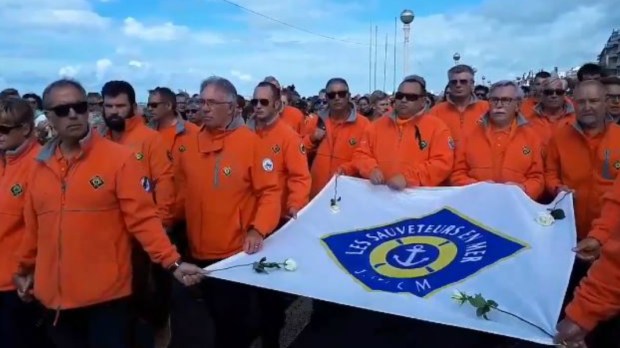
{"x": 251, "y": 123}
{"x": 568, "y": 108}
{"x": 485, "y": 120}
{"x": 14, "y": 155}
{"x": 324, "y": 115}
{"x": 85, "y": 144}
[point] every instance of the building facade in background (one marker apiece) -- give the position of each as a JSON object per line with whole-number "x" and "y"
{"x": 610, "y": 55}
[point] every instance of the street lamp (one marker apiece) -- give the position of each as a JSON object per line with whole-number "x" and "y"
{"x": 456, "y": 57}
{"x": 407, "y": 17}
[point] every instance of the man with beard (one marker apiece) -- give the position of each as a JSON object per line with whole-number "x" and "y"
{"x": 84, "y": 203}
{"x": 125, "y": 127}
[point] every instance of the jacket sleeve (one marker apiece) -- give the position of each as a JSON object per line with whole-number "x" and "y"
{"x": 27, "y": 252}
{"x": 307, "y": 133}
{"x": 609, "y": 219}
{"x": 267, "y": 189}
{"x": 140, "y": 214}
{"x": 438, "y": 166}
{"x": 163, "y": 179}
{"x": 363, "y": 158}
{"x": 598, "y": 296}
{"x": 534, "y": 183}
{"x": 552, "y": 167}
{"x": 298, "y": 180}
{"x": 460, "y": 174}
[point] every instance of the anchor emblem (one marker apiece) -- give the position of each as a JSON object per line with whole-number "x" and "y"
{"x": 413, "y": 253}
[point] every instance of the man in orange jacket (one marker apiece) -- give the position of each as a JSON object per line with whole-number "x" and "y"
{"x": 597, "y": 298}
{"x": 461, "y": 111}
{"x": 229, "y": 189}
{"x": 289, "y": 114}
{"x": 408, "y": 148}
{"x": 502, "y": 148}
{"x": 18, "y": 148}
{"x": 86, "y": 200}
{"x": 128, "y": 129}
{"x": 291, "y": 164}
{"x": 332, "y": 136}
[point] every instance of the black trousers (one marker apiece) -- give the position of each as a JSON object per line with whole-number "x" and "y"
{"x": 21, "y": 324}
{"x": 273, "y": 305}
{"x": 334, "y": 325}
{"x": 104, "y": 325}
{"x": 215, "y": 313}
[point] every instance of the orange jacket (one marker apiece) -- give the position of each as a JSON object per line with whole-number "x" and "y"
{"x": 80, "y": 216}
{"x": 294, "y": 118}
{"x": 598, "y": 296}
{"x": 589, "y": 165}
{"x": 515, "y": 156}
{"x": 528, "y": 105}
{"x": 544, "y": 125}
{"x": 171, "y": 135}
{"x": 150, "y": 149}
{"x": 15, "y": 168}
{"x": 459, "y": 122}
{"x": 228, "y": 185}
{"x": 336, "y": 149}
{"x": 421, "y": 149}
{"x": 290, "y": 162}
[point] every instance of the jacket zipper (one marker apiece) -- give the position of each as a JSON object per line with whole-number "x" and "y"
{"x": 216, "y": 173}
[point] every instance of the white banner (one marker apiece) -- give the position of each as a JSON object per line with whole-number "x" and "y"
{"x": 406, "y": 253}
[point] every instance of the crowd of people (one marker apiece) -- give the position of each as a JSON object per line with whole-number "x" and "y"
{"x": 110, "y": 211}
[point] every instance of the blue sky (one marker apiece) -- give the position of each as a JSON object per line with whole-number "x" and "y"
{"x": 179, "y": 43}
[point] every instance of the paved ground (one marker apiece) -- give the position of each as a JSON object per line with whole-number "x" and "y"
{"x": 297, "y": 317}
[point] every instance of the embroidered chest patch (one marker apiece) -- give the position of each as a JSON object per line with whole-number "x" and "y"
{"x": 17, "y": 190}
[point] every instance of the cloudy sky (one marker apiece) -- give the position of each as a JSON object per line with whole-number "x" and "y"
{"x": 179, "y": 43}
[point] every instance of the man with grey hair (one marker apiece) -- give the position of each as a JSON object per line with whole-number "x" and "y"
{"x": 553, "y": 110}
{"x": 461, "y": 111}
{"x": 502, "y": 148}
{"x": 229, "y": 195}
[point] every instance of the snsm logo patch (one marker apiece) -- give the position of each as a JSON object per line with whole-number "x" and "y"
{"x": 420, "y": 256}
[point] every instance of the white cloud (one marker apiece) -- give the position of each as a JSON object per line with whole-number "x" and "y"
{"x": 167, "y": 32}
{"x": 69, "y": 71}
{"x": 500, "y": 41}
{"x": 241, "y": 76}
{"x": 101, "y": 68}
{"x": 135, "y": 63}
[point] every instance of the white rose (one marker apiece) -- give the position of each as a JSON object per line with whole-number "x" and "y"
{"x": 290, "y": 265}
{"x": 545, "y": 219}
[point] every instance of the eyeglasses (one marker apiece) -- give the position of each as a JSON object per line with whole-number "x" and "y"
{"x": 459, "y": 82}
{"x": 4, "y": 130}
{"x": 340, "y": 94}
{"x": 550, "y": 92}
{"x": 480, "y": 95}
{"x": 501, "y": 101}
{"x": 211, "y": 103}
{"x": 95, "y": 103}
{"x": 64, "y": 110}
{"x": 407, "y": 97}
{"x": 192, "y": 111}
{"x": 321, "y": 101}
{"x": 263, "y": 102}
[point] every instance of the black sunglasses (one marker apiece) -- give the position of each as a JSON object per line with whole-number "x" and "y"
{"x": 4, "y": 130}
{"x": 340, "y": 94}
{"x": 458, "y": 82}
{"x": 407, "y": 96}
{"x": 64, "y": 110}
{"x": 263, "y": 102}
{"x": 154, "y": 105}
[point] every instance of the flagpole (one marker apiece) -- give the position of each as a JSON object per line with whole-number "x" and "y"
{"x": 370, "y": 61}
{"x": 385, "y": 64}
{"x": 395, "y": 36}
{"x": 376, "y": 53}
